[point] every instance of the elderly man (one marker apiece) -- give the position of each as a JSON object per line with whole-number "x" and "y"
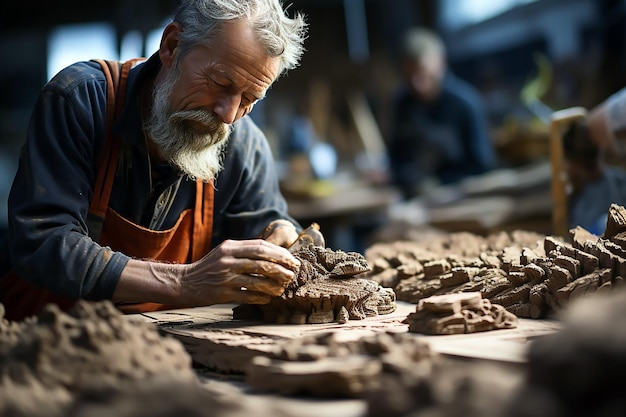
{"x": 440, "y": 128}
{"x": 172, "y": 199}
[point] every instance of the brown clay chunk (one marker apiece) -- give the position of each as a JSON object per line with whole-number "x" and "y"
{"x": 457, "y": 314}
{"x": 56, "y": 356}
{"x": 616, "y": 221}
{"x": 326, "y": 289}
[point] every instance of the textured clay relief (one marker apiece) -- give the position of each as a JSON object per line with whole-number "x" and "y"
{"x": 326, "y": 288}
{"x": 459, "y": 313}
{"x": 323, "y": 365}
{"x": 531, "y": 275}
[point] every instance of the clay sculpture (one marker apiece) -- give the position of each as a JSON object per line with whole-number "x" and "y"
{"x": 458, "y": 314}
{"x": 325, "y": 289}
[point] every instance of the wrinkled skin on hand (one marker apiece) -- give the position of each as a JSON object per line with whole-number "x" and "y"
{"x": 246, "y": 271}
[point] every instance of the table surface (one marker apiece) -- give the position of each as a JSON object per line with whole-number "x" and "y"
{"x": 212, "y": 330}
{"x": 212, "y": 337}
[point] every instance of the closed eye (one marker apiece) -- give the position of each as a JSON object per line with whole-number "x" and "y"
{"x": 213, "y": 81}
{"x": 247, "y": 100}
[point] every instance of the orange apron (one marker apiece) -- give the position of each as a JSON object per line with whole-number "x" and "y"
{"x": 187, "y": 241}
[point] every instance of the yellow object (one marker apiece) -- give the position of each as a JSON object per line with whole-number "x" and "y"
{"x": 308, "y": 188}
{"x": 560, "y": 121}
{"x": 537, "y": 87}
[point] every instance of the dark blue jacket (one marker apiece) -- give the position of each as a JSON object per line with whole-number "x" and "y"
{"x": 49, "y": 199}
{"x": 446, "y": 139}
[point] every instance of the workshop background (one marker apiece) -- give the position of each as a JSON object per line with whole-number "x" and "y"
{"x": 340, "y": 96}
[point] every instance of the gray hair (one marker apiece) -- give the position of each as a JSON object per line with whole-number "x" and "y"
{"x": 420, "y": 42}
{"x": 281, "y": 35}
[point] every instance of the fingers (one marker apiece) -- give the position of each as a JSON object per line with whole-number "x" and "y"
{"x": 281, "y": 233}
{"x": 260, "y": 284}
{"x": 270, "y": 271}
{"x": 250, "y": 271}
{"x": 260, "y": 250}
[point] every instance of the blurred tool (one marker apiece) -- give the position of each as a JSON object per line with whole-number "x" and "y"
{"x": 311, "y": 236}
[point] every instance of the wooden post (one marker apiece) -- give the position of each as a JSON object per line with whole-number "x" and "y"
{"x": 560, "y": 120}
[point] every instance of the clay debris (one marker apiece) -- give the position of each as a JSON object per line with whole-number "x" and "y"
{"x": 458, "y": 314}
{"x": 576, "y": 371}
{"x": 531, "y": 275}
{"x": 324, "y": 365}
{"x": 325, "y": 289}
{"x": 46, "y": 361}
{"x": 395, "y": 374}
{"x": 579, "y": 370}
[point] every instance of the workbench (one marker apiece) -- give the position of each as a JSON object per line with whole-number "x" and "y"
{"x": 223, "y": 347}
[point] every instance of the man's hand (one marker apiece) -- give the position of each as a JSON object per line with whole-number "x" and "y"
{"x": 280, "y": 232}
{"x": 249, "y": 271}
{"x": 236, "y": 271}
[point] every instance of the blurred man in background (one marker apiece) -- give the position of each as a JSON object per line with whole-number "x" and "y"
{"x": 440, "y": 128}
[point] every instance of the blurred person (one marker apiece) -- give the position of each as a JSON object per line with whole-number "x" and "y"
{"x": 174, "y": 203}
{"x": 607, "y": 123}
{"x": 7, "y": 171}
{"x": 440, "y": 129}
{"x": 595, "y": 185}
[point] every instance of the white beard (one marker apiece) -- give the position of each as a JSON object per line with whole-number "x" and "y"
{"x": 191, "y": 140}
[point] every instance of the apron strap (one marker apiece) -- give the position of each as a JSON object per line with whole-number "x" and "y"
{"x": 203, "y": 220}
{"x": 116, "y": 74}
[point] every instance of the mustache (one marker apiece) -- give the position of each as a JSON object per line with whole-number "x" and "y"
{"x": 199, "y": 122}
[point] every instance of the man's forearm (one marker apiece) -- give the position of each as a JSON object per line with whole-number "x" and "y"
{"x": 149, "y": 281}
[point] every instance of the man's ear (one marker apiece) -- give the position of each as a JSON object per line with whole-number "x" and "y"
{"x": 169, "y": 44}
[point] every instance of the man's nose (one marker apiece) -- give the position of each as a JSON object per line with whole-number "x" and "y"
{"x": 227, "y": 108}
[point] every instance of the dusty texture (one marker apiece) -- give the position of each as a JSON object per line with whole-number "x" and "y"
{"x": 578, "y": 371}
{"x": 444, "y": 389}
{"x": 325, "y": 289}
{"x": 48, "y": 360}
{"x": 396, "y": 374}
{"x": 458, "y": 314}
{"x": 575, "y": 372}
{"x": 164, "y": 397}
{"x": 531, "y": 275}
{"x": 323, "y": 365}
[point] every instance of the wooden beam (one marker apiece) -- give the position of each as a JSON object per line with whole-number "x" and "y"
{"x": 559, "y": 122}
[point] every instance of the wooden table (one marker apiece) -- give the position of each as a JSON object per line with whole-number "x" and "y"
{"x": 213, "y": 338}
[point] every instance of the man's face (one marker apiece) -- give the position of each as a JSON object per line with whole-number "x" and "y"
{"x": 203, "y": 93}
{"x": 424, "y": 75}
